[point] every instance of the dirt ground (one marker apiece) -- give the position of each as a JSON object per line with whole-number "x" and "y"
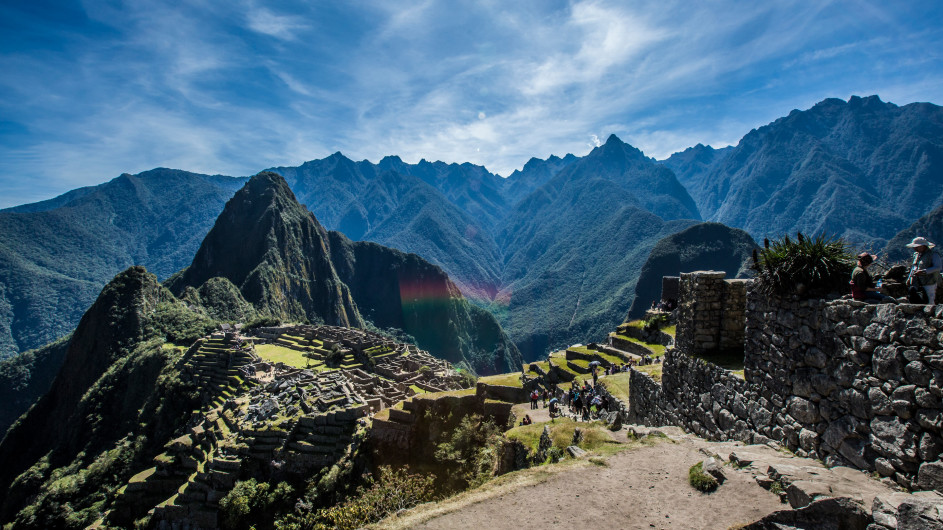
{"x": 644, "y": 487}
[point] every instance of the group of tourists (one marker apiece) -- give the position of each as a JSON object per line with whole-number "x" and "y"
{"x": 922, "y": 279}
{"x": 585, "y": 401}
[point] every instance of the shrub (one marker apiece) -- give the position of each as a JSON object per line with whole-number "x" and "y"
{"x": 253, "y": 504}
{"x": 807, "y": 267}
{"x": 263, "y": 322}
{"x": 391, "y": 492}
{"x": 468, "y": 379}
{"x": 700, "y": 480}
{"x": 655, "y": 323}
{"x": 471, "y": 450}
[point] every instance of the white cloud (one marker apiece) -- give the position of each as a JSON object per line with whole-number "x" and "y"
{"x": 284, "y": 27}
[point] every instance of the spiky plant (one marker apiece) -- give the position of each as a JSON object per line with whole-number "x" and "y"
{"x": 809, "y": 267}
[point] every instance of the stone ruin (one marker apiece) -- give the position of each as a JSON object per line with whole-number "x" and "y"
{"x": 263, "y": 418}
{"x": 851, "y": 384}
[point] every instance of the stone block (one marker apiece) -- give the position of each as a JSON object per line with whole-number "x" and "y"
{"x": 802, "y": 492}
{"x": 917, "y": 373}
{"x": 886, "y": 364}
{"x": 930, "y": 476}
{"x": 803, "y": 410}
{"x": 920, "y": 515}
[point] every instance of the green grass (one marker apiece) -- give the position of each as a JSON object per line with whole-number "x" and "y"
{"x": 583, "y": 349}
{"x": 281, "y": 354}
{"x": 417, "y": 390}
{"x": 653, "y": 370}
{"x": 582, "y": 363}
{"x": 618, "y": 385}
{"x": 596, "y": 436}
{"x": 510, "y": 379}
{"x": 700, "y": 480}
{"x": 143, "y": 475}
{"x": 657, "y": 349}
{"x": 670, "y": 330}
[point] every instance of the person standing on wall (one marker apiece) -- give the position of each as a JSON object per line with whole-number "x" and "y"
{"x": 925, "y": 270}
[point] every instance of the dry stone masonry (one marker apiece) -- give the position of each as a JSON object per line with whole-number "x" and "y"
{"x": 263, "y": 418}
{"x": 842, "y": 381}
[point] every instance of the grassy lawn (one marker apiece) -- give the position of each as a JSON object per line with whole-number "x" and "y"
{"x": 511, "y": 379}
{"x": 596, "y": 437}
{"x": 281, "y": 354}
{"x": 417, "y": 390}
{"x": 657, "y": 349}
{"x": 434, "y": 395}
{"x": 618, "y": 385}
{"x": 653, "y": 370}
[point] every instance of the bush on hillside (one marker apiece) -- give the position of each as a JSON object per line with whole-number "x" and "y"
{"x": 808, "y": 267}
{"x": 252, "y": 504}
{"x": 470, "y": 452}
{"x": 391, "y": 492}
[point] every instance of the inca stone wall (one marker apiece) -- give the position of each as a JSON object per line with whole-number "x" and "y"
{"x": 712, "y": 312}
{"x": 846, "y": 382}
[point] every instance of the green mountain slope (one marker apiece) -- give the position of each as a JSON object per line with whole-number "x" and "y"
{"x": 929, "y": 226}
{"x": 576, "y": 262}
{"x": 55, "y": 256}
{"x": 112, "y": 405}
{"x": 276, "y": 253}
{"x": 704, "y": 246}
{"x": 863, "y": 169}
{"x": 283, "y": 262}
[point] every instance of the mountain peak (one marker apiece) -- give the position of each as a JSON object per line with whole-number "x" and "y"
{"x": 614, "y": 140}
{"x": 276, "y": 253}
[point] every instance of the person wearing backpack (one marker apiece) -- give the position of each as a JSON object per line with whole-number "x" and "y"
{"x": 925, "y": 269}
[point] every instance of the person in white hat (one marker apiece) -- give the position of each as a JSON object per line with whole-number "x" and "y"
{"x": 925, "y": 270}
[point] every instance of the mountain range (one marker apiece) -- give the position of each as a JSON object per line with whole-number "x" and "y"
{"x": 862, "y": 169}
{"x": 554, "y": 251}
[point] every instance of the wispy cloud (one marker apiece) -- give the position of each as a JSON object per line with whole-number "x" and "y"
{"x": 233, "y": 88}
{"x": 283, "y": 27}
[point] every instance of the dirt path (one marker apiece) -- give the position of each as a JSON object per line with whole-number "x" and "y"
{"x": 640, "y": 488}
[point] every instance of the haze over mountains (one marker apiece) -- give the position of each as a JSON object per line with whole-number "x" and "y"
{"x": 554, "y": 250}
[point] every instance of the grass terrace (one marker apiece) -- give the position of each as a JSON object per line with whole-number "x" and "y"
{"x": 653, "y": 370}
{"x": 657, "y": 349}
{"x": 510, "y": 379}
{"x": 618, "y": 384}
{"x": 596, "y": 437}
{"x": 281, "y": 354}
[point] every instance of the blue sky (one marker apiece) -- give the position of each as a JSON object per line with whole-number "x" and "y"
{"x": 89, "y": 90}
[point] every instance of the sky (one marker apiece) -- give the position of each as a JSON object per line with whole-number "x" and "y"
{"x": 93, "y": 89}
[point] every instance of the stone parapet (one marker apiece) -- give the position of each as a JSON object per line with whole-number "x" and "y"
{"x": 842, "y": 381}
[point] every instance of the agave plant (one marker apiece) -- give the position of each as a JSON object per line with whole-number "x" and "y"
{"x": 808, "y": 267}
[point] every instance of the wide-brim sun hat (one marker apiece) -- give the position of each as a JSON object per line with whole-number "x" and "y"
{"x": 920, "y": 242}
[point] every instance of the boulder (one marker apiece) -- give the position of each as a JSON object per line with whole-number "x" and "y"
{"x": 839, "y": 513}
{"x": 713, "y": 468}
{"x": 575, "y": 451}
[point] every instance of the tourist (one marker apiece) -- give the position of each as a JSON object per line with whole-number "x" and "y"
{"x": 863, "y": 287}
{"x": 527, "y": 420}
{"x": 534, "y": 396}
{"x": 925, "y": 269}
